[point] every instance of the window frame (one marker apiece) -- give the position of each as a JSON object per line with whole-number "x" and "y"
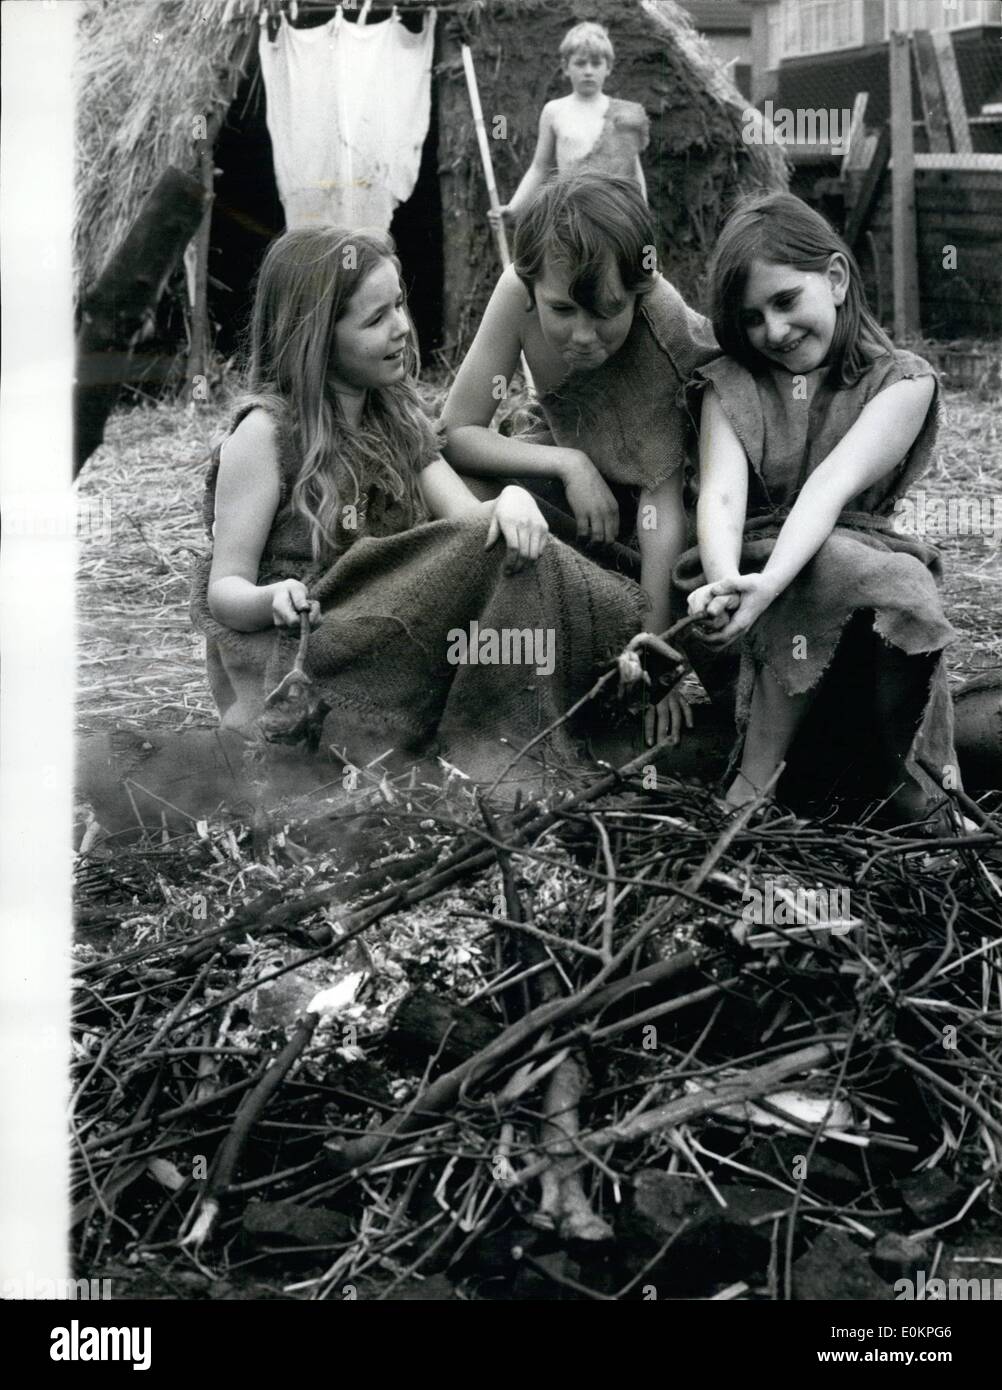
{"x": 793, "y": 27}
{"x": 916, "y": 18}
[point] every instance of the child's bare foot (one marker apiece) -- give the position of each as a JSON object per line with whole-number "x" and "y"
{"x": 741, "y": 791}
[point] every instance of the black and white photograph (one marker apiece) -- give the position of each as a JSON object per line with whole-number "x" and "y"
{"x": 502, "y": 710}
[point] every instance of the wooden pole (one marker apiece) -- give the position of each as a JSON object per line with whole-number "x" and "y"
{"x": 485, "y": 153}
{"x": 488, "y": 164}
{"x": 857, "y": 132}
{"x": 953, "y": 92}
{"x": 903, "y": 239}
{"x": 937, "y": 126}
{"x": 198, "y": 349}
{"x": 866, "y": 195}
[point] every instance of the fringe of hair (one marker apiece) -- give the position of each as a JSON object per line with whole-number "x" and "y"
{"x": 581, "y": 220}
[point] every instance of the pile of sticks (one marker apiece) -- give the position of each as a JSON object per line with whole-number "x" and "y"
{"x": 508, "y": 1016}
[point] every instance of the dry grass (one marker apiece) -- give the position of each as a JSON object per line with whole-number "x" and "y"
{"x": 140, "y": 660}
{"x": 139, "y": 657}
{"x": 969, "y": 466}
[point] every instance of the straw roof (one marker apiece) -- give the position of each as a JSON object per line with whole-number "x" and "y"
{"x": 146, "y": 69}
{"x": 149, "y": 69}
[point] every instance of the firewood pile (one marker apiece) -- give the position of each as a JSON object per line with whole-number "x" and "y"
{"x": 614, "y": 1045}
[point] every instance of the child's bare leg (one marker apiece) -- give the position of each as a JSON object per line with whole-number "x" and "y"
{"x": 899, "y": 694}
{"x": 773, "y": 721}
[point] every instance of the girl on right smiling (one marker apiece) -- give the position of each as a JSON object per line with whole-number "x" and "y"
{"x": 812, "y": 425}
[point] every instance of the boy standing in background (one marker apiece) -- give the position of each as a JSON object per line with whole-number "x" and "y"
{"x": 586, "y": 129}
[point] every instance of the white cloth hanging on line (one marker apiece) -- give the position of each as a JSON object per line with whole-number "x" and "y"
{"x": 348, "y": 108}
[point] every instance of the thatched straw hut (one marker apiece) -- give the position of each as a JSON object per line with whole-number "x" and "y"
{"x": 155, "y": 74}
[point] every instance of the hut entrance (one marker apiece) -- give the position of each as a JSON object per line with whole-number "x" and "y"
{"x": 247, "y": 213}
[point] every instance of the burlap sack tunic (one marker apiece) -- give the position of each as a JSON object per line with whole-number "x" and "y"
{"x": 391, "y": 592}
{"x": 626, "y": 132}
{"x": 630, "y": 416}
{"x": 867, "y": 592}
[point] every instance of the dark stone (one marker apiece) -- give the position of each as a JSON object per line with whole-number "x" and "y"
{"x": 496, "y": 1254}
{"x": 931, "y": 1196}
{"x": 437, "y": 1289}
{"x": 662, "y": 1201}
{"x": 827, "y": 1177}
{"x": 359, "y": 1084}
{"x": 279, "y": 1222}
{"x": 716, "y": 1246}
{"x": 835, "y": 1267}
{"x": 752, "y": 1206}
{"x": 425, "y": 1026}
{"x": 775, "y": 1156}
{"x": 541, "y": 1279}
{"x": 899, "y": 1257}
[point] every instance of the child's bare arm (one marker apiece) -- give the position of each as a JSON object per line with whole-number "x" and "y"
{"x": 885, "y": 431}
{"x": 723, "y": 491}
{"x": 887, "y": 427}
{"x": 661, "y": 535}
{"x": 544, "y": 163}
{"x": 514, "y": 514}
{"x": 247, "y": 497}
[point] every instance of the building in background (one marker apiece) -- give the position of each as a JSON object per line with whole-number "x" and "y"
{"x": 727, "y": 27}
{"x": 820, "y": 53}
{"x": 815, "y": 57}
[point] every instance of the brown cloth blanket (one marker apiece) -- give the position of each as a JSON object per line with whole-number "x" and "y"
{"x": 866, "y": 608}
{"x": 397, "y": 653}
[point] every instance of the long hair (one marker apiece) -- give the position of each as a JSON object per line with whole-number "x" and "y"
{"x": 782, "y": 230}
{"x": 304, "y": 286}
{"x": 578, "y": 221}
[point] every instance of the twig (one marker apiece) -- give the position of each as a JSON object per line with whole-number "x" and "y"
{"x": 676, "y": 1112}
{"x": 205, "y": 1210}
{"x": 609, "y": 915}
{"x": 591, "y": 694}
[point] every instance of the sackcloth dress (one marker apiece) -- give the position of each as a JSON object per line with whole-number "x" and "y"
{"x": 393, "y": 594}
{"x": 868, "y": 597}
{"x": 625, "y": 133}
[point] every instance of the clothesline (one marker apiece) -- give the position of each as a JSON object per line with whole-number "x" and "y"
{"x": 454, "y": 7}
{"x": 347, "y": 108}
{"x": 272, "y": 11}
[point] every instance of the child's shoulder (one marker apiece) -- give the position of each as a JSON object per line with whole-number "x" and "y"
{"x": 553, "y": 108}
{"x": 255, "y": 421}
{"x": 511, "y": 293}
{"x": 727, "y": 375}
{"x": 897, "y": 364}
{"x": 628, "y": 114}
{"x": 259, "y": 435}
{"x": 888, "y": 366}
{"x": 252, "y": 428}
